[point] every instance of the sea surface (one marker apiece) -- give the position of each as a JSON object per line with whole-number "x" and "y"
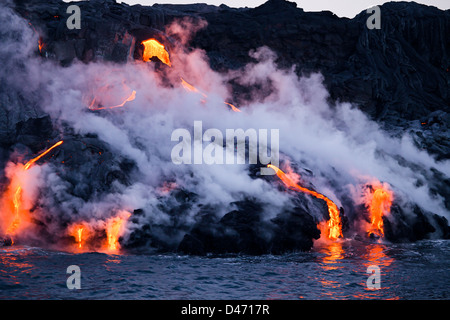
{"x": 329, "y": 271}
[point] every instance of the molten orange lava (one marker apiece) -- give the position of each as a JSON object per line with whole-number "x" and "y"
{"x": 80, "y": 236}
{"x": 379, "y": 203}
{"x": 334, "y": 225}
{"x": 153, "y": 48}
{"x": 190, "y": 87}
{"x": 16, "y": 198}
{"x": 130, "y": 98}
{"x": 41, "y": 44}
{"x": 16, "y": 222}
{"x": 235, "y": 109}
{"x": 80, "y": 232}
{"x": 32, "y": 161}
{"x": 114, "y": 229}
{"x": 77, "y": 231}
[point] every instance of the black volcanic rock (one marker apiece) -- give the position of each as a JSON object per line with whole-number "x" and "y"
{"x": 295, "y": 230}
{"x": 235, "y": 232}
{"x": 33, "y": 131}
{"x": 412, "y": 226}
{"x": 244, "y": 231}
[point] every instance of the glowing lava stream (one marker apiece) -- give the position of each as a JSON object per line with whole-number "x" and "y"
{"x": 130, "y": 98}
{"x": 80, "y": 236}
{"x": 235, "y": 109}
{"x": 80, "y": 231}
{"x": 114, "y": 229}
{"x": 379, "y": 203}
{"x": 32, "y": 161}
{"x": 153, "y": 48}
{"x": 334, "y": 225}
{"x": 40, "y": 44}
{"x": 17, "y": 194}
{"x": 190, "y": 87}
{"x": 16, "y": 222}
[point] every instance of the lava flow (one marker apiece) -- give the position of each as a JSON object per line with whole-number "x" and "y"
{"x": 80, "y": 236}
{"x": 77, "y": 231}
{"x": 13, "y": 227}
{"x": 379, "y": 202}
{"x": 191, "y": 88}
{"x": 235, "y": 109}
{"x": 16, "y": 222}
{"x": 334, "y": 225}
{"x": 32, "y": 161}
{"x": 114, "y": 229}
{"x": 130, "y": 98}
{"x": 153, "y": 48}
{"x": 41, "y": 44}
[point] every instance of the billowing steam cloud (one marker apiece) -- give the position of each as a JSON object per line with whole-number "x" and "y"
{"x": 336, "y": 149}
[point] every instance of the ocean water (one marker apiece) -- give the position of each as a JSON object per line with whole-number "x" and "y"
{"x": 329, "y": 271}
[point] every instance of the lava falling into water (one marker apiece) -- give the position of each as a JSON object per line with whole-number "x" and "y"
{"x": 16, "y": 222}
{"x": 13, "y": 227}
{"x": 378, "y": 202}
{"x": 334, "y": 225}
{"x": 114, "y": 229}
{"x": 77, "y": 231}
{"x": 80, "y": 236}
{"x": 153, "y": 48}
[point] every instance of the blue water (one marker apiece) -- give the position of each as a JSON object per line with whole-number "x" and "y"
{"x": 333, "y": 271}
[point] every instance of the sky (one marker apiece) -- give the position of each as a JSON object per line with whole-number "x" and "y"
{"x": 342, "y": 8}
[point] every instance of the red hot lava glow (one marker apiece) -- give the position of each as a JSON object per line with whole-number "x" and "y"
{"x": 333, "y": 228}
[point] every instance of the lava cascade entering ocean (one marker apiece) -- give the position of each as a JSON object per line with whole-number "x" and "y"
{"x": 333, "y": 228}
{"x": 16, "y": 198}
{"x": 378, "y": 201}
